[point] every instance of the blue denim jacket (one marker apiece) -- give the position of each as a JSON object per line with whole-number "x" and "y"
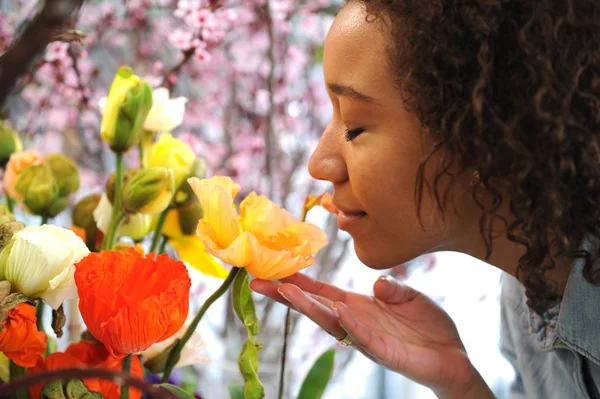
{"x": 555, "y": 355}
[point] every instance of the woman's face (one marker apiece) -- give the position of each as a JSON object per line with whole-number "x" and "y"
{"x": 371, "y": 151}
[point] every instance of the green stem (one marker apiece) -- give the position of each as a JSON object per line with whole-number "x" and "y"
{"x": 10, "y": 203}
{"x": 17, "y": 371}
{"x": 126, "y": 368}
{"x": 175, "y": 352}
{"x": 286, "y": 332}
{"x": 39, "y": 315}
{"x": 116, "y": 216}
{"x": 141, "y": 146}
{"x": 158, "y": 230}
{"x": 111, "y": 237}
{"x": 44, "y": 219}
{"x": 163, "y": 245}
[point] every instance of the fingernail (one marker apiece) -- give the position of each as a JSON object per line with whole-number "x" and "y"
{"x": 335, "y": 311}
{"x": 384, "y": 278}
{"x": 283, "y": 295}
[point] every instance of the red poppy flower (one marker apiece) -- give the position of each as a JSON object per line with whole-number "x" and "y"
{"x": 20, "y": 339}
{"x": 129, "y": 302}
{"x": 86, "y": 354}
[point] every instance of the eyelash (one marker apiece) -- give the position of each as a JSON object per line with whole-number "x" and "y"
{"x": 354, "y": 133}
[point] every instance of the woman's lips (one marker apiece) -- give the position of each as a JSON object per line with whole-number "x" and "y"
{"x": 346, "y": 219}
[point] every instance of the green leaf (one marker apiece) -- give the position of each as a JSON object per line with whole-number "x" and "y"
{"x": 248, "y": 363}
{"x": 318, "y": 377}
{"x": 243, "y": 304}
{"x": 177, "y": 391}
{"x": 236, "y": 391}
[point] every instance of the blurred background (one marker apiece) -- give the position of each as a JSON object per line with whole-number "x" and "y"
{"x": 256, "y": 106}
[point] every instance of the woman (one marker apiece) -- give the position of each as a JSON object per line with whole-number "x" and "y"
{"x": 470, "y": 126}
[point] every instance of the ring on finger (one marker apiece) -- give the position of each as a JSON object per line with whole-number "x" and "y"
{"x": 346, "y": 341}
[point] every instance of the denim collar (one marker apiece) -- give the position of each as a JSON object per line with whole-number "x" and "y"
{"x": 578, "y": 324}
{"x": 575, "y": 322}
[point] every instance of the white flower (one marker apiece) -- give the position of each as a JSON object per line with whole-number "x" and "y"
{"x": 40, "y": 262}
{"x": 191, "y": 352}
{"x": 166, "y": 114}
{"x": 135, "y": 226}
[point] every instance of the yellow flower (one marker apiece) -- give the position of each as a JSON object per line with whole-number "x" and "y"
{"x": 173, "y": 153}
{"x": 190, "y": 248}
{"x": 124, "y": 110}
{"x": 264, "y": 238}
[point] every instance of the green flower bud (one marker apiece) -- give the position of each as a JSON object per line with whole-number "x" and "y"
{"x": 39, "y": 189}
{"x": 127, "y": 106}
{"x": 9, "y": 143}
{"x": 5, "y": 214}
{"x": 148, "y": 192}
{"x": 109, "y": 187}
{"x": 65, "y": 172}
{"x": 83, "y": 216}
{"x": 185, "y": 195}
{"x": 189, "y": 216}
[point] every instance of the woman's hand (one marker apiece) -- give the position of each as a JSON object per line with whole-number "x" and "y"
{"x": 398, "y": 327}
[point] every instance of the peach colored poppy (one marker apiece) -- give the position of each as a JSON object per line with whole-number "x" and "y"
{"x": 17, "y": 162}
{"x": 87, "y": 354}
{"x": 20, "y": 340}
{"x": 128, "y": 301}
{"x": 264, "y": 238}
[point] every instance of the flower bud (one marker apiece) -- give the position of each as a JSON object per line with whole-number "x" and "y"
{"x": 109, "y": 187}
{"x": 38, "y": 188}
{"x": 8, "y": 230}
{"x": 9, "y": 143}
{"x": 65, "y": 172}
{"x": 83, "y": 216}
{"x": 185, "y": 195}
{"x": 189, "y": 216}
{"x": 150, "y": 191}
{"x": 5, "y": 214}
{"x": 128, "y": 103}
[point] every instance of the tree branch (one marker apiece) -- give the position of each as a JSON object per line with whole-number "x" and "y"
{"x": 50, "y": 24}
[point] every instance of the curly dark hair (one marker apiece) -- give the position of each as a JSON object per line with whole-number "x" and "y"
{"x": 511, "y": 89}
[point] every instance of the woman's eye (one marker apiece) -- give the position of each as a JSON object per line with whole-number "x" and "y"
{"x": 351, "y": 134}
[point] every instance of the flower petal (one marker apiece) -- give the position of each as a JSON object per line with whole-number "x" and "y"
{"x": 236, "y": 254}
{"x": 192, "y": 251}
{"x": 216, "y": 197}
{"x": 269, "y": 264}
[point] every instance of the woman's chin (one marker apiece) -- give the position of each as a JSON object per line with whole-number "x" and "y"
{"x": 378, "y": 260}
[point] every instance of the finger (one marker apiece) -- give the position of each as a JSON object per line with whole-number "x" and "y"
{"x": 388, "y": 290}
{"x": 269, "y": 289}
{"x": 313, "y": 309}
{"x": 316, "y": 287}
{"x": 361, "y": 335}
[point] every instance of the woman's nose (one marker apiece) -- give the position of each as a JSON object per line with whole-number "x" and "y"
{"x": 327, "y": 161}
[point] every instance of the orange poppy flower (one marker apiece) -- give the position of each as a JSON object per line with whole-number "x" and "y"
{"x": 87, "y": 354}
{"x": 20, "y": 340}
{"x": 130, "y": 302}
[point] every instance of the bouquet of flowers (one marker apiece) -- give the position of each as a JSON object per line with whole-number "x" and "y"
{"x": 134, "y": 298}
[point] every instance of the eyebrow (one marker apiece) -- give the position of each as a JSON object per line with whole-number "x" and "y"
{"x": 349, "y": 91}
